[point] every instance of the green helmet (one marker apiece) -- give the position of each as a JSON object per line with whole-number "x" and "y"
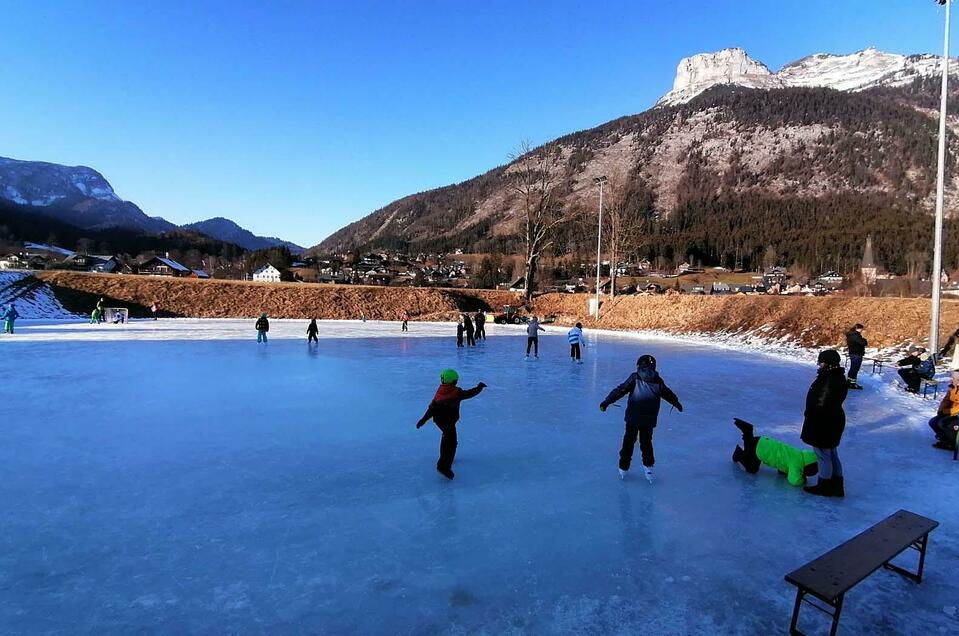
{"x": 449, "y": 376}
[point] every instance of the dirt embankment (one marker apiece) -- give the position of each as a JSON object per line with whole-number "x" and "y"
{"x": 811, "y": 321}
{"x": 183, "y": 297}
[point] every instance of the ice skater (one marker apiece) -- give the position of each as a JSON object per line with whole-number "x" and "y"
{"x": 9, "y": 318}
{"x": 153, "y": 310}
{"x": 532, "y": 336}
{"x": 576, "y": 341}
{"x": 460, "y": 329}
{"x": 470, "y": 331}
{"x": 646, "y": 391}
{"x": 480, "y": 325}
{"x": 262, "y": 326}
{"x": 796, "y": 464}
{"x": 856, "y": 345}
{"x": 824, "y": 422}
{"x": 311, "y": 331}
{"x": 445, "y": 411}
{"x": 405, "y": 317}
{"x": 100, "y": 311}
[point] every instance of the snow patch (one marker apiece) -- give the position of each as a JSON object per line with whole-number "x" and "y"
{"x": 33, "y": 298}
{"x": 12, "y": 194}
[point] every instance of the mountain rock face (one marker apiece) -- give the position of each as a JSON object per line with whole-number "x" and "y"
{"x": 75, "y": 194}
{"x": 226, "y": 230}
{"x": 732, "y": 174}
{"x": 854, "y": 72}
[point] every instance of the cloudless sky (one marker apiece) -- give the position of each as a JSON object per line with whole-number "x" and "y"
{"x": 296, "y": 118}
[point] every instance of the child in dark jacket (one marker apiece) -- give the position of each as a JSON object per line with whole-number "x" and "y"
{"x": 262, "y": 327}
{"x": 646, "y": 390}
{"x": 445, "y": 411}
{"x": 824, "y": 421}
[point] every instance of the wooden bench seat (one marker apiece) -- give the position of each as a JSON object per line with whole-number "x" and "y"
{"x": 830, "y": 576}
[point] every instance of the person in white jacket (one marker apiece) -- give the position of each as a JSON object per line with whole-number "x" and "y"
{"x": 576, "y": 341}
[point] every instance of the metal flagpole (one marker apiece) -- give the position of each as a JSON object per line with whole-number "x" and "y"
{"x": 600, "y": 181}
{"x": 940, "y": 193}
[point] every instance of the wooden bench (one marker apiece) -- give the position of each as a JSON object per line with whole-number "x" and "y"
{"x": 877, "y": 364}
{"x": 830, "y": 576}
{"x": 931, "y": 382}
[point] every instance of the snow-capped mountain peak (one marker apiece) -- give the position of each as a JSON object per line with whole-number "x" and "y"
{"x": 854, "y": 72}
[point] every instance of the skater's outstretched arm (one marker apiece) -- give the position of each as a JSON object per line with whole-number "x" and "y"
{"x": 426, "y": 416}
{"x": 618, "y": 392}
{"x": 469, "y": 393}
{"x": 671, "y": 398}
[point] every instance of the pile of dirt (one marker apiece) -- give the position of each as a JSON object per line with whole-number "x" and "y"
{"x": 808, "y": 321}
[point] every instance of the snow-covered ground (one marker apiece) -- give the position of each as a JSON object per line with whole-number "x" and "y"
{"x": 176, "y": 477}
{"x": 32, "y": 298}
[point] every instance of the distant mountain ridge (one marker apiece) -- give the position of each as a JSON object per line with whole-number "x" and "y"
{"x": 82, "y": 197}
{"x": 226, "y": 230}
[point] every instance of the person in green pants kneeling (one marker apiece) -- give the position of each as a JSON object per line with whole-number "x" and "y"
{"x": 795, "y": 463}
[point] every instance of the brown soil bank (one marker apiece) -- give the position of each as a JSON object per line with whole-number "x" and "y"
{"x": 811, "y": 321}
{"x": 193, "y": 298}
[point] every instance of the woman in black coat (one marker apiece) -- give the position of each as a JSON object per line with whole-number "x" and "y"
{"x": 824, "y": 422}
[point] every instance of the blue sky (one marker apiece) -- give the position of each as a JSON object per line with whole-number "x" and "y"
{"x": 295, "y": 118}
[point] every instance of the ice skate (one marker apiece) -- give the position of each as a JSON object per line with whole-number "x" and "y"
{"x": 622, "y": 474}
{"x": 446, "y": 472}
{"x": 649, "y": 474}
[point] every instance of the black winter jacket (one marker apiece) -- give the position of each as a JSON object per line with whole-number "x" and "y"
{"x": 856, "y": 343}
{"x": 445, "y": 407}
{"x": 824, "y": 420}
{"x": 646, "y": 390}
{"x": 262, "y": 324}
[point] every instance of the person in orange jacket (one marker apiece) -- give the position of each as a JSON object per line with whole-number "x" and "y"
{"x": 946, "y": 422}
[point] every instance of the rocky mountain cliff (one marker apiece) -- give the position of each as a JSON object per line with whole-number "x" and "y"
{"x": 732, "y": 174}
{"x": 868, "y": 68}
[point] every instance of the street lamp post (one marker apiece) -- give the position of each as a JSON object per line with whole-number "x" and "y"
{"x": 940, "y": 194}
{"x": 600, "y": 181}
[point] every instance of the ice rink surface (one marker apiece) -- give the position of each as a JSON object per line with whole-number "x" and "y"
{"x": 176, "y": 477}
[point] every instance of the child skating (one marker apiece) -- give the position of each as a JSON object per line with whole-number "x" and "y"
{"x": 311, "y": 332}
{"x": 646, "y": 391}
{"x": 445, "y": 411}
{"x": 532, "y": 336}
{"x": 576, "y": 343}
{"x": 262, "y": 327}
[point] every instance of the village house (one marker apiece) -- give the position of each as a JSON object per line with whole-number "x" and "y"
{"x": 163, "y": 266}
{"x": 267, "y": 274}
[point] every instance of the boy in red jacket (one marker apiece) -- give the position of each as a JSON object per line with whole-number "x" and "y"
{"x": 445, "y": 411}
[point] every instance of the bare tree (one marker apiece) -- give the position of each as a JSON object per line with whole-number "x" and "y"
{"x": 534, "y": 178}
{"x": 625, "y": 215}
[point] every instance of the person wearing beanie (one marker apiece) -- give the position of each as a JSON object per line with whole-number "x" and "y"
{"x": 312, "y": 330}
{"x": 262, "y": 326}
{"x": 792, "y": 462}
{"x": 445, "y": 411}
{"x": 646, "y": 391}
{"x": 916, "y": 367}
{"x": 824, "y": 422}
{"x": 856, "y": 348}
{"x": 576, "y": 341}
{"x": 470, "y": 331}
{"x": 460, "y": 329}
{"x": 480, "y": 325}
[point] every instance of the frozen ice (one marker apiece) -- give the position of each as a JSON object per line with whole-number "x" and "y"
{"x": 176, "y": 477}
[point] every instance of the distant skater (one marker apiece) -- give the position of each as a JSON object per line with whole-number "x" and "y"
{"x": 9, "y": 318}
{"x": 532, "y": 336}
{"x": 445, "y": 411}
{"x": 575, "y": 337}
{"x": 262, "y": 326}
{"x": 470, "y": 331}
{"x": 856, "y": 347}
{"x": 100, "y": 311}
{"x": 646, "y": 391}
{"x": 405, "y": 317}
{"x": 480, "y": 325}
{"x": 153, "y": 310}
{"x": 796, "y": 464}
{"x": 311, "y": 331}
{"x": 824, "y": 422}
{"x": 460, "y": 329}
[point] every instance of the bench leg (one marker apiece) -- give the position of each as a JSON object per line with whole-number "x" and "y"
{"x": 835, "y": 617}
{"x": 795, "y": 621}
{"x": 922, "y": 557}
{"x": 919, "y": 546}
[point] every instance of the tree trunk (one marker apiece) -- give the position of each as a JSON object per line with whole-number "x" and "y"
{"x": 530, "y": 285}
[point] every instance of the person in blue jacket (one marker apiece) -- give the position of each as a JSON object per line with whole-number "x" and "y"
{"x": 646, "y": 391}
{"x": 9, "y": 317}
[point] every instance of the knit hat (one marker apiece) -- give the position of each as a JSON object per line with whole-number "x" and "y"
{"x": 830, "y": 357}
{"x": 646, "y": 361}
{"x": 449, "y": 376}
